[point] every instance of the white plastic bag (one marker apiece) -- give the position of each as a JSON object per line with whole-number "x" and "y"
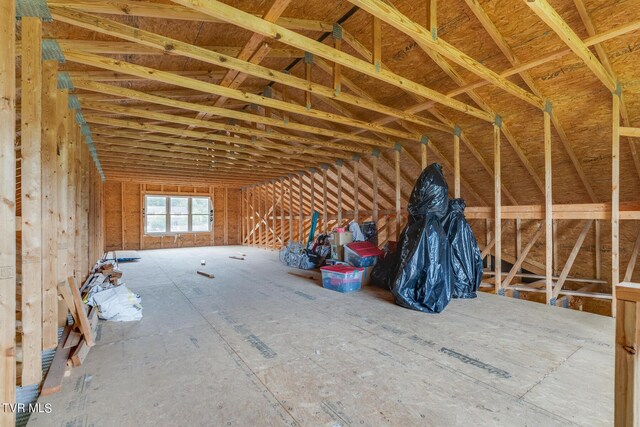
{"x": 117, "y": 304}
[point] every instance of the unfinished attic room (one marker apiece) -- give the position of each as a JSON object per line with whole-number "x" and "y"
{"x": 320, "y": 213}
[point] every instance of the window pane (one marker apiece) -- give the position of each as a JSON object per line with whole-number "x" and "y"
{"x": 179, "y": 206}
{"x": 156, "y": 223}
{"x": 200, "y": 206}
{"x": 179, "y": 222}
{"x": 156, "y": 205}
{"x": 200, "y": 223}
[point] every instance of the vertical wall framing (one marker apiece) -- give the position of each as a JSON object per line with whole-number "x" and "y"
{"x": 7, "y": 207}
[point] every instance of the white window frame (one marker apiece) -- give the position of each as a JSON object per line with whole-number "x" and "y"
{"x": 167, "y": 214}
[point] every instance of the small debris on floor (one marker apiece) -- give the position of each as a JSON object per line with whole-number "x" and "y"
{"x": 236, "y": 257}
{"x": 203, "y": 262}
{"x": 204, "y": 273}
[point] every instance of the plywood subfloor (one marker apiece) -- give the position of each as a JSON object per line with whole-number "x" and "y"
{"x": 256, "y": 346}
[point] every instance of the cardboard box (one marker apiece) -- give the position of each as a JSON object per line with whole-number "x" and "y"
{"x": 338, "y": 240}
{"x": 366, "y": 275}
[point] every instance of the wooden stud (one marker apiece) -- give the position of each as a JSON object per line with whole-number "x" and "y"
{"x": 300, "y": 211}
{"x": 8, "y": 208}
{"x": 49, "y": 206}
{"x": 518, "y": 239}
{"x": 555, "y": 247}
{"x": 423, "y": 155}
{"x": 497, "y": 205}
{"x": 290, "y": 191}
{"x": 254, "y": 236}
{"x": 398, "y": 221}
{"x": 62, "y": 187}
{"x": 432, "y": 18}
{"x": 627, "y": 365}
{"x": 281, "y": 203}
{"x": 615, "y": 198}
{"x": 456, "y": 162}
{"x": 337, "y": 75}
{"x": 374, "y": 180}
{"x": 356, "y": 189}
{"x": 226, "y": 215}
{"x": 274, "y": 234}
{"x": 339, "y": 190}
{"x": 307, "y": 76}
{"x": 489, "y": 243}
{"x": 325, "y": 203}
{"x": 31, "y": 181}
{"x": 548, "y": 198}
{"x": 377, "y": 43}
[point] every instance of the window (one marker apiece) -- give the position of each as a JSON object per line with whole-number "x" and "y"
{"x": 177, "y": 214}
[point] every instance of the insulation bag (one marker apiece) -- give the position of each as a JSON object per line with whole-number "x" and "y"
{"x": 423, "y": 277}
{"x": 466, "y": 259}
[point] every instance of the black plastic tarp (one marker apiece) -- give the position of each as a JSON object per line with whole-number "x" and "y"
{"x": 466, "y": 259}
{"x": 423, "y": 277}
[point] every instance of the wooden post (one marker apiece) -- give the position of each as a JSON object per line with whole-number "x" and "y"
{"x": 398, "y": 149}
{"x": 432, "y": 17}
{"x": 274, "y": 233}
{"x": 8, "y": 208}
{"x": 71, "y": 204}
{"x": 337, "y": 44}
{"x": 489, "y": 239}
{"x": 122, "y": 215}
{"x": 627, "y": 373}
{"x": 254, "y": 235}
{"x": 308, "y": 60}
{"x": 548, "y": 199}
{"x": 49, "y": 206}
{"x": 63, "y": 188}
{"x": 497, "y": 186}
{"x": 226, "y": 215}
{"x": 555, "y": 247}
{"x": 301, "y": 210}
{"x": 615, "y": 199}
{"x": 290, "y": 182}
{"x": 325, "y": 200}
{"x": 31, "y": 137}
{"x": 423, "y": 152}
{"x": 356, "y": 188}
{"x": 260, "y": 215}
{"x": 598, "y": 250}
{"x": 374, "y": 180}
{"x": 456, "y": 161}
{"x": 339, "y": 165}
{"x": 281, "y": 192}
{"x": 518, "y": 239}
{"x": 377, "y": 43}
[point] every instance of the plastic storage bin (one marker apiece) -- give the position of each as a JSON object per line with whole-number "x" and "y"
{"x": 342, "y": 278}
{"x": 361, "y": 254}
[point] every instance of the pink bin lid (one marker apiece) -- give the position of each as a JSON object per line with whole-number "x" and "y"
{"x": 365, "y": 249}
{"x": 342, "y": 269}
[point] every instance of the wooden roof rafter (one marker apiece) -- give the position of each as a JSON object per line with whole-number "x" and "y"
{"x": 175, "y": 47}
{"x": 249, "y": 22}
{"x": 425, "y": 39}
{"x": 168, "y": 11}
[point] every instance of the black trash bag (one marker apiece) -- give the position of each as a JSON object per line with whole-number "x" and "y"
{"x": 384, "y": 271}
{"x": 423, "y": 278}
{"x": 466, "y": 259}
{"x": 430, "y": 193}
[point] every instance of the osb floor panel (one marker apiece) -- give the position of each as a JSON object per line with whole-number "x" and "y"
{"x": 257, "y": 346}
